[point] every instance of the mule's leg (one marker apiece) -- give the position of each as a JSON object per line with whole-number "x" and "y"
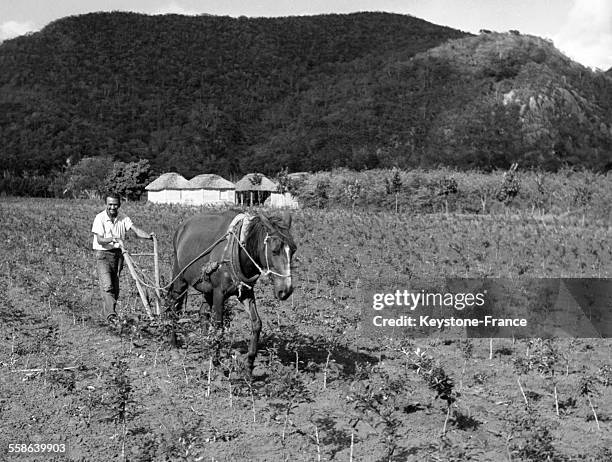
{"x": 218, "y": 300}
{"x": 249, "y": 303}
{"x": 178, "y": 291}
{"x": 205, "y": 309}
{"x": 173, "y": 304}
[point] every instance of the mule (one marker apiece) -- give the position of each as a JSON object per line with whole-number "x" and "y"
{"x": 223, "y": 255}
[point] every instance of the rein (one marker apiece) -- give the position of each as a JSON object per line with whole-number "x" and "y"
{"x": 267, "y": 271}
{"x": 202, "y": 254}
{"x": 242, "y": 281}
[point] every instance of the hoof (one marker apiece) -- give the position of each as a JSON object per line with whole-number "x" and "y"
{"x": 173, "y": 339}
{"x": 205, "y": 326}
{"x": 112, "y": 318}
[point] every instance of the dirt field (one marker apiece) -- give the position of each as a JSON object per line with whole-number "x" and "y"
{"x": 322, "y": 390}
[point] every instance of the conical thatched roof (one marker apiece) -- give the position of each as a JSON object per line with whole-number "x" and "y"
{"x": 170, "y": 180}
{"x": 249, "y": 183}
{"x": 210, "y": 181}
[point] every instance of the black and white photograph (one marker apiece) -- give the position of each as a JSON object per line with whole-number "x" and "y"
{"x": 352, "y": 231}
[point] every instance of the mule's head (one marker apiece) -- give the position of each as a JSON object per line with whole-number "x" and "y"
{"x": 278, "y": 250}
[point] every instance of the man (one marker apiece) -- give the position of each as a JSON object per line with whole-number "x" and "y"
{"x": 109, "y": 229}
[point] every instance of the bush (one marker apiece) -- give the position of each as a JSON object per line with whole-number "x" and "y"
{"x": 27, "y": 185}
{"x": 128, "y": 179}
{"x": 88, "y": 175}
{"x": 432, "y": 191}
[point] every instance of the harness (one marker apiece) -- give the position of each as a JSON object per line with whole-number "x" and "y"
{"x": 236, "y": 240}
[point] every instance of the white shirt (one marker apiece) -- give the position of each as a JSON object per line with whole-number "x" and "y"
{"x": 105, "y": 227}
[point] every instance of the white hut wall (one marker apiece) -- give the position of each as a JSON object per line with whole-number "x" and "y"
{"x": 210, "y": 196}
{"x": 156, "y": 197}
{"x": 227, "y": 195}
{"x": 173, "y": 196}
{"x": 191, "y": 196}
{"x": 282, "y": 200}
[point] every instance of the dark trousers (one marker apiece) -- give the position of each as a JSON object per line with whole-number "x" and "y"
{"x": 109, "y": 264}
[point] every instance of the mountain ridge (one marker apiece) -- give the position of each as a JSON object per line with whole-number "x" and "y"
{"x": 232, "y": 95}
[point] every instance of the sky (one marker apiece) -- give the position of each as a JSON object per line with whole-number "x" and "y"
{"x": 582, "y": 29}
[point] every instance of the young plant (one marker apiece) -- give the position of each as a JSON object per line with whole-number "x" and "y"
{"x": 542, "y": 357}
{"x": 510, "y": 187}
{"x": 533, "y": 440}
{"x": 437, "y": 380}
{"x": 120, "y": 392}
{"x": 287, "y": 390}
{"x": 393, "y": 186}
{"x": 586, "y": 388}
{"x": 448, "y": 186}
{"x": 379, "y": 406}
{"x": 353, "y": 191}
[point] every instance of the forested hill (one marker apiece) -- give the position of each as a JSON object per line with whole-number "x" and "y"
{"x": 225, "y": 95}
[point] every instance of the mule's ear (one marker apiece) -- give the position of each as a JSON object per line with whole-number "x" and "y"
{"x": 286, "y": 218}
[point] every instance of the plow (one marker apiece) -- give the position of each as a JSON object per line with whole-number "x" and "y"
{"x": 143, "y": 282}
{"x": 145, "y": 285}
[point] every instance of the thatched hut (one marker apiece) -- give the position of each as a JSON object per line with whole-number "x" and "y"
{"x": 167, "y": 189}
{"x": 254, "y": 189}
{"x": 209, "y": 188}
{"x": 285, "y": 200}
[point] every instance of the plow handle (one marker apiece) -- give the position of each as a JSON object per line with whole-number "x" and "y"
{"x": 141, "y": 291}
{"x": 157, "y": 282}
